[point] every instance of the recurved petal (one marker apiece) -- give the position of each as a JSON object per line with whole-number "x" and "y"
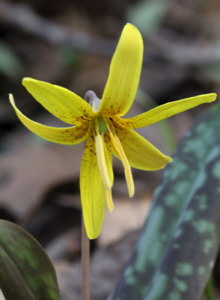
{"x": 140, "y": 152}
{"x": 68, "y": 135}
{"x": 92, "y": 191}
{"x": 167, "y": 110}
{"x": 61, "y": 102}
{"x": 124, "y": 74}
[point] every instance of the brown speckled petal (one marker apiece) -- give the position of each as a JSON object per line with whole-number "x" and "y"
{"x": 67, "y": 135}
{"x": 92, "y": 191}
{"x": 61, "y": 102}
{"x": 140, "y": 152}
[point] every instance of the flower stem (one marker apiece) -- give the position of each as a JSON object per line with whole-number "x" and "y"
{"x": 85, "y": 262}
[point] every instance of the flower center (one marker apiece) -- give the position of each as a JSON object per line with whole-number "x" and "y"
{"x": 103, "y": 125}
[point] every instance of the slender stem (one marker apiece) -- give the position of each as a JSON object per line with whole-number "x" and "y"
{"x": 85, "y": 261}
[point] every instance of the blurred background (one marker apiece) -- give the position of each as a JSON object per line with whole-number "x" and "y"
{"x": 70, "y": 43}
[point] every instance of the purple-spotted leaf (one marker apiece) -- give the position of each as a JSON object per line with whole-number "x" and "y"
{"x": 26, "y": 272}
{"x": 177, "y": 249}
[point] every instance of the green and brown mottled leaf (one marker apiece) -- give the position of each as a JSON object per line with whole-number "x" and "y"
{"x": 26, "y": 272}
{"x": 175, "y": 254}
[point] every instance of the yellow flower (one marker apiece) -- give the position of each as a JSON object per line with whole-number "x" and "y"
{"x": 99, "y": 122}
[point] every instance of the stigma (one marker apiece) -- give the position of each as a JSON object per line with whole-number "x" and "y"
{"x": 93, "y": 100}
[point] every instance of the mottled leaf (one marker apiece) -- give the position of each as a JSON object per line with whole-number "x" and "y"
{"x": 175, "y": 254}
{"x": 25, "y": 270}
{"x": 209, "y": 289}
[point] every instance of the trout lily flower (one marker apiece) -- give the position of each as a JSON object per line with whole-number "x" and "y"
{"x": 99, "y": 123}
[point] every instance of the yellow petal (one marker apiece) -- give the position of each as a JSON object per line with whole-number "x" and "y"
{"x": 124, "y": 74}
{"x": 92, "y": 191}
{"x": 68, "y": 135}
{"x": 60, "y": 102}
{"x": 141, "y": 153}
{"x": 167, "y": 110}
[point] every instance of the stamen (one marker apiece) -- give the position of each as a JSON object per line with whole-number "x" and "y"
{"x": 103, "y": 169}
{"x": 108, "y": 198}
{"x": 127, "y": 169}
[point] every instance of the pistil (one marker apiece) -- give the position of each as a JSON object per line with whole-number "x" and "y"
{"x": 93, "y": 100}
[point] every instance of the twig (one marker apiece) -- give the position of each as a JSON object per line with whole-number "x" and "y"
{"x": 175, "y": 50}
{"x": 22, "y": 17}
{"x": 85, "y": 263}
